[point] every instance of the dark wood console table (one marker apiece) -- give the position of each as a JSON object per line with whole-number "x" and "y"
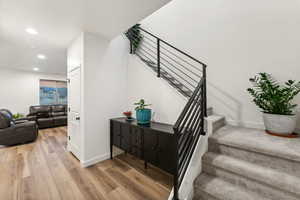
{"x": 154, "y": 143}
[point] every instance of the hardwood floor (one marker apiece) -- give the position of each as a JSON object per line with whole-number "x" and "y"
{"x": 44, "y": 170}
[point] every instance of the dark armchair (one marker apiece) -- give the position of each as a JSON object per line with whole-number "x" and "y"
{"x": 10, "y": 115}
{"x": 14, "y": 132}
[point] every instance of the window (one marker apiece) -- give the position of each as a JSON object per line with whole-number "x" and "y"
{"x": 53, "y": 92}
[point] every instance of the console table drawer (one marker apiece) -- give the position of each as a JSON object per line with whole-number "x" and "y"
{"x": 116, "y": 128}
{"x": 154, "y": 143}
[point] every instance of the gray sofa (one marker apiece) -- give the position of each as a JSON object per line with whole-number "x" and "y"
{"x": 14, "y": 132}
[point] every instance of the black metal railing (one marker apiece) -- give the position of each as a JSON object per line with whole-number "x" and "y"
{"x": 188, "y": 76}
{"x": 181, "y": 70}
{"x": 188, "y": 129}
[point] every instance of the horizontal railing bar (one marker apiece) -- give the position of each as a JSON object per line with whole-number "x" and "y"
{"x": 167, "y": 72}
{"x": 149, "y": 33}
{"x": 148, "y": 43}
{"x": 172, "y": 54}
{"x": 199, "y": 125}
{"x": 177, "y": 75}
{"x": 182, "y": 173}
{"x": 196, "y": 110}
{"x": 183, "y": 161}
{"x": 172, "y": 46}
{"x": 149, "y": 39}
{"x": 141, "y": 48}
{"x": 179, "y": 70}
{"x": 194, "y": 103}
{"x": 186, "y": 108}
{"x": 185, "y": 149}
{"x": 173, "y": 61}
{"x": 180, "y": 89}
{"x": 136, "y": 42}
{"x": 184, "y": 141}
{"x": 197, "y": 119}
{"x": 187, "y": 55}
{"x": 153, "y": 56}
{"x": 196, "y": 68}
{"x": 175, "y": 66}
{"x": 182, "y": 138}
{"x": 143, "y": 55}
{"x": 143, "y": 35}
{"x": 149, "y": 49}
{"x": 180, "y": 64}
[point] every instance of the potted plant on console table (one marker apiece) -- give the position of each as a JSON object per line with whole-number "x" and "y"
{"x": 143, "y": 114}
{"x": 275, "y": 101}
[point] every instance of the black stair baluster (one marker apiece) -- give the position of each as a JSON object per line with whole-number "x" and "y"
{"x": 178, "y": 70}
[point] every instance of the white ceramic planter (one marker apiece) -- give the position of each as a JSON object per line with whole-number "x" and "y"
{"x": 280, "y": 124}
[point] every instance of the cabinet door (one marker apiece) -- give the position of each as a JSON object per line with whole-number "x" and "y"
{"x": 116, "y": 131}
{"x": 136, "y": 141}
{"x": 150, "y": 146}
{"x": 165, "y": 152}
{"x": 125, "y": 137}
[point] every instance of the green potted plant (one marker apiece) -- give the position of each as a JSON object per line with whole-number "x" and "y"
{"x": 135, "y": 37}
{"x": 143, "y": 114}
{"x": 18, "y": 116}
{"x": 276, "y": 102}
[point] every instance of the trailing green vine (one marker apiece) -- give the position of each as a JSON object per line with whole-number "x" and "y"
{"x": 135, "y": 37}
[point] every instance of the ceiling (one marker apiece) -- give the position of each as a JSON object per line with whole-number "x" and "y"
{"x": 58, "y": 22}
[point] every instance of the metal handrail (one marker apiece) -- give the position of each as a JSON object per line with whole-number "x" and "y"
{"x": 170, "y": 45}
{"x": 162, "y": 47}
{"x": 190, "y": 123}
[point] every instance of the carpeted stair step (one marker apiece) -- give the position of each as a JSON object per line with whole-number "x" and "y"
{"x": 209, "y": 187}
{"x": 255, "y": 146}
{"x": 267, "y": 182}
{"x": 201, "y": 195}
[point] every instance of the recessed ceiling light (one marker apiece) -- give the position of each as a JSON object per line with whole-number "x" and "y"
{"x": 31, "y": 31}
{"x": 41, "y": 56}
{"x": 36, "y": 69}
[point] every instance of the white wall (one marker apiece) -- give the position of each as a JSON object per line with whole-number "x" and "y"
{"x": 105, "y": 94}
{"x": 236, "y": 39}
{"x": 167, "y": 103}
{"x": 20, "y": 89}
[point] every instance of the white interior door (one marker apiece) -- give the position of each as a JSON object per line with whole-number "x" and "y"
{"x": 74, "y": 133}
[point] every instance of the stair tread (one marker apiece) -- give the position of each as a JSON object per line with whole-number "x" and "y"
{"x": 224, "y": 190}
{"x": 255, "y": 172}
{"x": 258, "y": 141}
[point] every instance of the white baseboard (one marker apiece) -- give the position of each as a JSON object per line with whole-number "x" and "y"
{"x": 95, "y": 160}
{"x": 74, "y": 150}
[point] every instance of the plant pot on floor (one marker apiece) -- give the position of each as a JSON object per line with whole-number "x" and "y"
{"x": 276, "y": 102}
{"x": 280, "y": 124}
{"x": 143, "y": 116}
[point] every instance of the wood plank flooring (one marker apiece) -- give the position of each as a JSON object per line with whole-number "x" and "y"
{"x": 44, "y": 170}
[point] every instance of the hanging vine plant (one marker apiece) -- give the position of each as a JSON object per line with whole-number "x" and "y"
{"x": 135, "y": 37}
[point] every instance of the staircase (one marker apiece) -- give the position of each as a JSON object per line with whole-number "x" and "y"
{"x": 188, "y": 76}
{"x": 180, "y": 70}
{"x": 247, "y": 164}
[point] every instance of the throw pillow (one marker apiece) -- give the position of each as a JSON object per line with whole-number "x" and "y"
{"x": 4, "y": 121}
